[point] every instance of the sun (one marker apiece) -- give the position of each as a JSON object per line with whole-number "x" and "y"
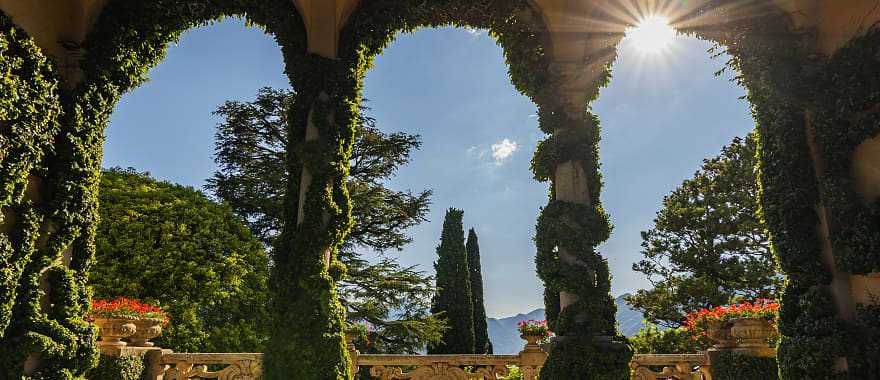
{"x": 652, "y": 34}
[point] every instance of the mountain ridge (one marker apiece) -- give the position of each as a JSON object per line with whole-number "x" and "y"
{"x": 504, "y": 332}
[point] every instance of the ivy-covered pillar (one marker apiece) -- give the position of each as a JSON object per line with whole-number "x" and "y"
{"x": 572, "y": 225}
{"x": 812, "y": 110}
{"x": 48, "y": 172}
{"x": 307, "y": 338}
{"x": 844, "y": 126}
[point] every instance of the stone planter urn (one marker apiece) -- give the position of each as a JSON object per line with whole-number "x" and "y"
{"x": 112, "y": 330}
{"x": 147, "y": 328}
{"x": 752, "y": 332}
{"x": 531, "y": 342}
{"x": 720, "y": 332}
{"x": 351, "y": 337}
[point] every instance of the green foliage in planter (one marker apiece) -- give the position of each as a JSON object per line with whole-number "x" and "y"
{"x": 118, "y": 368}
{"x": 652, "y": 340}
{"x": 453, "y": 300}
{"x": 170, "y": 245}
{"x": 47, "y": 173}
{"x": 735, "y": 366}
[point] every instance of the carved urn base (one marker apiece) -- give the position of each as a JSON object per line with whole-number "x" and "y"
{"x": 112, "y": 330}
{"x": 752, "y": 332}
{"x": 147, "y": 328}
{"x": 720, "y": 332}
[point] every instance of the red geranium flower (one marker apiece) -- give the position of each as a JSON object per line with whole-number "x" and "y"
{"x": 533, "y": 327}
{"x": 122, "y": 307}
{"x": 762, "y": 308}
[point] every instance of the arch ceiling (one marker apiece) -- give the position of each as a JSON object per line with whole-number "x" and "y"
{"x": 579, "y": 28}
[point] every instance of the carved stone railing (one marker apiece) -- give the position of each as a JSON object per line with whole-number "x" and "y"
{"x": 446, "y": 367}
{"x": 671, "y": 366}
{"x": 166, "y": 365}
{"x": 451, "y": 367}
{"x": 233, "y": 366}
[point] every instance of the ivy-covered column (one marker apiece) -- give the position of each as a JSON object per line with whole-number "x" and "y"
{"x": 569, "y": 229}
{"x": 48, "y": 172}
{"x": 812, "y": 112}
{"x": 844, "y": 123}
{"x": 307, "y": 340}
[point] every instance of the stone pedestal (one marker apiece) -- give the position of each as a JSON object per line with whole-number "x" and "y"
{"x": 531, "y": 358}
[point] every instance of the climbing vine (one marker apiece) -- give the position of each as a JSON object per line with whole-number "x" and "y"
{"x": 784, "y": 80}
{"x": 846, "y": 104}
{"x": 42, "y": 301}
{"x": 589, "y": 345}
{"x": 847, "y": 112}
{"x": 56, "y": 135}
{"x": 520, "y": 31}
{"x": 771, "y": 70}
{"x": 132, "y": 37}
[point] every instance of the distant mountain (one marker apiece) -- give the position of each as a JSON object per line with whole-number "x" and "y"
{"x": 629, "y": 320}
{"x": 505, "y": 337}
{"x": 504, "y": 332}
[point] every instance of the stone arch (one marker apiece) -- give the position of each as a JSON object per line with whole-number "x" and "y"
{"x": 54, "y": 228}
{"x": 129, "y": 39}
{"x": 50, "y": 216}
{"x": 521, "y": 30}
{"x": 779, "y": 60}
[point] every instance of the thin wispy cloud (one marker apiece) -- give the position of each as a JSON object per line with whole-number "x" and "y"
{"x": 477, "y": 151}
{"x": 503, "y": 149}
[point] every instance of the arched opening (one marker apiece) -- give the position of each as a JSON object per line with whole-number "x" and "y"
{"x": 451, "y": 86}
{"x": 665, "y": 111}
{"x": 166, "y": 126}
{"x": 163, "y": 136}
{"x": 800, "y": 98}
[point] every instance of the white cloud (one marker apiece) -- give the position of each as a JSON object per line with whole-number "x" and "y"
{"x": 503, "y": 149}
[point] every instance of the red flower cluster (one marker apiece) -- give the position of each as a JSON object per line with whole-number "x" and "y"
{"x": 122, "y": 307}
{"x": 533, "y": 327}
{"x": 761, "y": 308}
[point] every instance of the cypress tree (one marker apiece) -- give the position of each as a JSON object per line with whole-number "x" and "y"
{"x": 453, "y": 297}
{"x": 482, "y": 345}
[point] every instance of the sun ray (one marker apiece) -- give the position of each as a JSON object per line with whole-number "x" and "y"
{"x": 652, "y": 35}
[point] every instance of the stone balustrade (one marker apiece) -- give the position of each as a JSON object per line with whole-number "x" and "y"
{"x": 166, "y": 365}
{"x": 232, "y": 366}
{"x": 452, "y": 367}
{"x": 671, "y": 366}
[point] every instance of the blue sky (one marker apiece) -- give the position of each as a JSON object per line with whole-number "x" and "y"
{"x": 661, "y": 115}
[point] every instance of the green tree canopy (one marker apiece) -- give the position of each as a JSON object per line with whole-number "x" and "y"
{"x": 395, "y": 300}
{"x": 708, "y": 246}
{"x": 482, "y": 345}
{"x": 171, "y": 245}
{"x": 453, "y": 299}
